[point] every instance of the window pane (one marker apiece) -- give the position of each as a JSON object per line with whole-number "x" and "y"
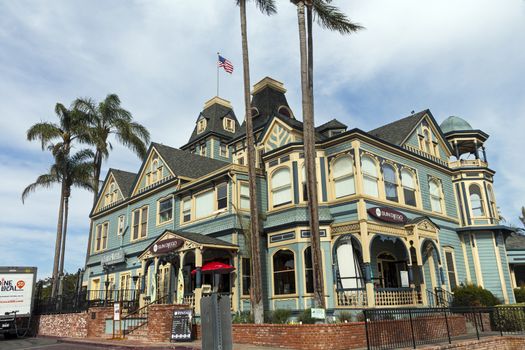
{"x": 343, "y": 166}
{"x": 144, "y": 222}
{"x": 222, "y": 197}
{"x": 344, "y": 186}
{"x": 166, "y": 210}
{"x": 284, "y": 272}
{"x": 246, "y": 268}
{"x": 436, "y": 204}
{"x": 281, "y": 178}
{"x": 186, "y": 210}
{"x": 308, "y": 271}
{"x": 410, "y": 196}
{"x": 390, "y": 182}
{"x": 204, "y": 204}
{"x": 451, "y": 269}
{"x": 245, "y": 196}
{"x": 369, "y": 166}
{"x": 370, "y": 186}
{"x": 282, "y": 196}
{"x": 136, "y": 221}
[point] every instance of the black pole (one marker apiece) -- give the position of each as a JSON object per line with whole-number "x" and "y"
{"x": 446, "y": 322}
{"x": 475, "y": 323}
{"x": 366, "y": 329}
{"x": 412, "y": 328}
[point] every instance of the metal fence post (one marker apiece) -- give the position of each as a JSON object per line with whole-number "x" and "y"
{"x": 366, "y": 329}
{"x": 475, "y": 322}
{"x": 412, "y": 328}
{"x": 446, "y": 322}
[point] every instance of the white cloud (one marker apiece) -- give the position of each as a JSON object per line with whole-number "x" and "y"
{"x": 462, "y": 58}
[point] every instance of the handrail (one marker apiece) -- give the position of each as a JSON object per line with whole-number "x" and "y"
{"x": 139, "y": 318}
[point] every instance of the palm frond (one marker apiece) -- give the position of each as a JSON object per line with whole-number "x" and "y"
{"x": 330, "y": 17}
{"x": 265, "y": 6}
{"x": 133, "y": 135}
{"x": 43, "y": 181}
{"x": 45, "y": 132}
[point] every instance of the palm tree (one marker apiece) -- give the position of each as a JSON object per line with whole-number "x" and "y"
{"x": 267, "y": 7}
{"x": 109, "y": 118}
{"x": 69, "y": 128}
{"x": 68, "y": 171}
{"x": 331, "y": 18}
{"x": 104, "y": 119}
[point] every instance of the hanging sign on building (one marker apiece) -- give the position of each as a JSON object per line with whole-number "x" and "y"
{"x": 166, "y": 245}
{"x": 388, "y": 215}
{"x": 113, "y": 258}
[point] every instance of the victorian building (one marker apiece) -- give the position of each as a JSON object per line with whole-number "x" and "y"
{"x": 407, "y": 213}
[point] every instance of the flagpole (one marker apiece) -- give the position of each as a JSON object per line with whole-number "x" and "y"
{"x": 217, "y": 63}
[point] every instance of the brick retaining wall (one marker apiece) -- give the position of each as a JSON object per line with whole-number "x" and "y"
{"x": 490, "y": 343}
{"x": 62, "y": 325}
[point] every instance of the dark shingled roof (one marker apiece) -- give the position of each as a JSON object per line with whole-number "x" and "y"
{"x": 185, "y": 163}
{"x": 125, "y": 181}
{"x": 214, "y": 115}
{"x": 515, "y": 242}
{"x": 396, "y": 132}
{"x": 203, "y": 239}
{"x": 332, "y": 124}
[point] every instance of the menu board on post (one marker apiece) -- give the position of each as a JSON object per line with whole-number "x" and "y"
{"x": 181, "y": 326}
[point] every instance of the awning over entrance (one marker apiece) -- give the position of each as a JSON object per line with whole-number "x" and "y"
{"x": 171, "y": 241}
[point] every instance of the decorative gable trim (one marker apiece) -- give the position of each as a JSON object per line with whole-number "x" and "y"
{"x": 144, "y": 170}
{"x": 436, "y": 131}
{"x": 110, "y": 178}
{"x": 278, "y": 134}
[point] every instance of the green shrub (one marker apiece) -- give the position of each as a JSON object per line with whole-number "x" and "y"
{"x": 305, "y": 317}
{"x": 475, "y": 296}
{"x": 280, "y": 316}
{"x": 509, "y": 318}
{"x": 519, "y": 294}
{"x": 243, "y": 317}
{"x": 344, "y": 317}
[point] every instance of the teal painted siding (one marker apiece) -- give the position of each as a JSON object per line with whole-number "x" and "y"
{"x": 344, "y": 212}
{"x": 450, "y": 238}
{"x": 413, "y": 140}
{"x": 470, "y": 258}
{"x": 505, "y": 267}
{"x": 341, "y": 147}
{"x": 489, "y": 271}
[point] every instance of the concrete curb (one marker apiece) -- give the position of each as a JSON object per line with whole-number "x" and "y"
{"x": 114, "y": 344}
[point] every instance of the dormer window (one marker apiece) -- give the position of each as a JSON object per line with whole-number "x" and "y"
{"x": 111, "y": 196}
{"x": 201, "y": 125}
{"x": 229, "y": 124}
{"x": 155, "y": 172}
{"x": 285, "y": 111}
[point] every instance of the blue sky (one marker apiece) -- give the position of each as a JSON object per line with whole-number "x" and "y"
{"x": 456, "y": 58}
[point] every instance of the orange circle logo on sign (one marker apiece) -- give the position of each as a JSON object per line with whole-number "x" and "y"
{"x": 20, "y": 284}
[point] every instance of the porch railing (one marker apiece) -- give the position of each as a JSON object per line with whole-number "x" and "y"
{"x": 139, "y": 318}
{"x": 439, "y": 297}
{"x": 189, "y": 299}
{"x": 352, "y": 297}
{"x": 397, "y": 296}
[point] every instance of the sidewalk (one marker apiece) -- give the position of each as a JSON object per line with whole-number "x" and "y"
{"x": 137, "y": 345}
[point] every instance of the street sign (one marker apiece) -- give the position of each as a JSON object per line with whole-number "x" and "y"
{"x": 116, "y": 312}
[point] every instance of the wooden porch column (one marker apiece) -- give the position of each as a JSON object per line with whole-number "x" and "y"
{"x": 143, "y": 282}
{"x": 155, "y": 279}
{"x": 419, "y": 259}
{"x": 235, "y": 294}
{"x": 198, "y": 281}
{"x": 365, "y": 247}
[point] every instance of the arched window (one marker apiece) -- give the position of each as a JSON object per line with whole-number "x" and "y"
{"x": 285, "y": 111}
{"x": 308, "y": 270}
{"x": 492, "y": 200}
{"x": 201, "y": 125}
{"x": 281, "y": 187}
{"x": 428, "y": 140}
{"x": 389, "y": 174}
{"x": 409, "y": 188}
{"x": 435, "y": 196}
{"x": 370, "y": 177}
{"x": 154, "y": 168}
{"x": 343, "y": 175}
{"x": 476, "y": 201}
{"x": 284, "y": 272}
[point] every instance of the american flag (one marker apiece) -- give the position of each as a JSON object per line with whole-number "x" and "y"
{"x": 227, "y": 65}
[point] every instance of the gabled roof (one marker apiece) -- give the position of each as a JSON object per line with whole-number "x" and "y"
{"x": 515, "y": 242}
{"x": 419, "y": 219}
{"x": 332, "y": 124}
{"x": 187, "y": 164}
{"x": 124, "y": 180}
{"x": 398, "y": 131}
{"x": 214, "y": 111}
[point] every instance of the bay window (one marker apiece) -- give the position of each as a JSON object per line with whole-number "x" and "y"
{"x": 343, "y": 176}
{"x": 281, "y": 187}
{"x": 284, "y": 272}
{"x": 370, "y": 177}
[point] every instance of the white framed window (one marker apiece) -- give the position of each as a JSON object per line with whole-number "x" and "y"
{"x": 284, "y": 272}
{"x": 476, "y": 201}
{"x": 140, "y": 223}
{"x": 105, "y": 229}
{"x": 203, "y": 149}
{"x": 436, "y": 197}
{"x": 409, "y": 187}
{"x": 222, "y": 196}
{"x": 121, "y": 225}
{"x": 281, "y": 187}
{"x": 246, "y": 279}
{"x": 98, "y": 237}
{"x": 492, "y": 200}
{"x": 223, "y": 149}
{"x": 165, "y": 210}
{"x": 204, "y": 204}
{"x": 370, "y": 176}
{"x": 244, "y": 194}
{"x": 343, "y": 175}
{"x": 201, "y": 125}
{"x": 389, "y": 175}
{"x": 451, "y": 268}
{"x": 186, "y": 209}
{"x": 229, "y": 124}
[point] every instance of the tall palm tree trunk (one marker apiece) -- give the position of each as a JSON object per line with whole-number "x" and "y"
{"x": 58, "y": 242}
{"x": 64, "y": 234}
{"x": 310, "y": 158}
{"x": 256, "y": 277}
{"x": 97, "y": 166}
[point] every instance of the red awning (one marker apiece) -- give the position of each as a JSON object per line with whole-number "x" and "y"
{"x": 216, "y": 267}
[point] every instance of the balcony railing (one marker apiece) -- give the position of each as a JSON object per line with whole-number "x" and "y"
{"x": 352, "y": 297}
{"x": 467, "y": 163}
{"x": 397, "y": 296}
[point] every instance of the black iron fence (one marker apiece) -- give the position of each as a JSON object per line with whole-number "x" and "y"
{"x": 83, "y": 300}
{"x": 408, "y": 328}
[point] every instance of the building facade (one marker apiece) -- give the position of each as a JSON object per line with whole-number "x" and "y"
{"x": 407, "y": 213}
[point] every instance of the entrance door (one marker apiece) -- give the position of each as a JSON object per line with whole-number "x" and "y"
{"x": 390, "y": 270}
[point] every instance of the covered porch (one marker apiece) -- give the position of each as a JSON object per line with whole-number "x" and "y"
{"x": 179, "y": 267}
{"x": 385, "y": 269}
